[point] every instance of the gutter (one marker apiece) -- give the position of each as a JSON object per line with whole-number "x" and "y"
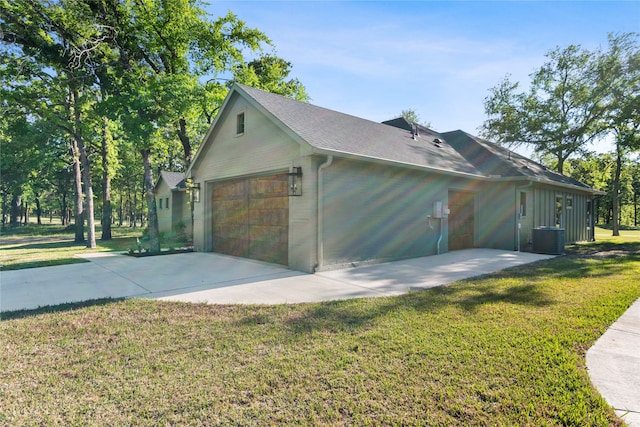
{"x": 354, "y": 156}
{"x": 320, "y": 241}
{"x": 469, "y": 175}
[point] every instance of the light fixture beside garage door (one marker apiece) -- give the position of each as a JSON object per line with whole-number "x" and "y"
{"x": 295, "y": 181}
{"x": 193, "y": 189}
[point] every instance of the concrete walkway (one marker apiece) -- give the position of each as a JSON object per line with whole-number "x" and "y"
{"x": 220, "y": 279}
{"x": 614, "y": 365}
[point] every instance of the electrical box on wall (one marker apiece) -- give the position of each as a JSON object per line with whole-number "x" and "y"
{"x": 437, "y": 209}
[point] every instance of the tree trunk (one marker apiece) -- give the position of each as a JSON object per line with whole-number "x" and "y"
{"x": 154, "y": 234}
{"x": 77, "y": 181}
{"x": 4, "y": 209}
{"x": 63, "y": 210}
{"x": 184, "y": 139}
{"x": 106, "y": 184}
{"x": 121, "y": 209}
{"x": 38, "y": 210}
{"x": 16, "y": 206}
{"x": 25, "y": 214}
{"x": 616, "y": 191}
{"x": 86, "y": 172}
{"x": 134, "y": 210}
{"x": 635, "y": 209}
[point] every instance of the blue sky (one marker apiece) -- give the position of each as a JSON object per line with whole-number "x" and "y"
{"x": 375, "y": 59}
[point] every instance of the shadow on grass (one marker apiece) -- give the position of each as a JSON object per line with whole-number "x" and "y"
{"x": 47, "y": 263}
{"x": 21, "y": 314}
{"x": 117, "y": 243}
{"x": 530, "y": 288}
{"x": 47, "y": 245}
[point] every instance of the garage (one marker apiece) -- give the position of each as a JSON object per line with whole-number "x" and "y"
{"x": 251, "y": 218}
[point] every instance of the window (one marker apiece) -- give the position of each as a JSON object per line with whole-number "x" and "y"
{"x": 569, "y": 202}
{"x": 160, "y": 204}
{"x": 240, "y": 124}
{"x": 588, "y": 214}
{"x": 166, "y": 203}
{"x": 523, "y": 204}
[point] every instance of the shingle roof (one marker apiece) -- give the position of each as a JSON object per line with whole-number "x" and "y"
{"x": 330, "y": 130}
{"x": 495, "y": 160}
{"x": 173, "y": 179}
{"x": 394, "y": 141}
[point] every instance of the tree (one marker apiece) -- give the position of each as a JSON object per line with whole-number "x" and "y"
{"x": 560, "y": 112}
{"x": 165, "y": 49}
{"x": 618, "y": 73}
{"x": 124, "y": 78}
{"x": 412, "y": 117}
{"x": 60, "y": 46}
{"x": 269, "y": 73}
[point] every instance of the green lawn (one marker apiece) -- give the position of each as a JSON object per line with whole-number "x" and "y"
{"x": 505, "y": 349}
{"x": 46, "y": 245}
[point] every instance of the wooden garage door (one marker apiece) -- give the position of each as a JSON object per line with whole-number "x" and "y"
{"x": 461, "y": 220}
{"x": 251, "y": 218}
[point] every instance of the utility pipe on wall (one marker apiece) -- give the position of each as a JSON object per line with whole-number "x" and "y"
{"x": 439, "y": 239}
{"x": 320, "y": 241}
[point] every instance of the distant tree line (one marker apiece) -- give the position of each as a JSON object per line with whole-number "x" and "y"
{"x": 96, "y": 95}
{"x": 577, "y": 97}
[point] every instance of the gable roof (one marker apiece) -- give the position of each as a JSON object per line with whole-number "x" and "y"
{"x": 175, "y": 180}
{"x": 395, "y": 141}
{"x": 331, "y": 132}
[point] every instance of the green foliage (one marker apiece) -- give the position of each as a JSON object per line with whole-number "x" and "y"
{"x": 269, "y": 73}
{"x": 413, "y": 117}
{"x": 151, "y": 67}
{"x": 574, "y": 98}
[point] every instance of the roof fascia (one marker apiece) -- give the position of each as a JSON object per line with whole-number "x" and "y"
{"x": 524, "y": 179}
{"x": 347, "y": 155}
{"x": 545, "y": 182}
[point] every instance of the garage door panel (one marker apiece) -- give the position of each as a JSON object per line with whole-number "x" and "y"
{"x": 231, "y": 231}
{"x": 267, "y": 251}
{"x": 268, "y": 233}
{"x": 229, "y": 190}
{"x": 269, "y": 217}
{"x": 268, "y": 186}
{"x": 230, "y": 246}
{"x": 230, "y": 212}
{"x": 269, "y": 203}
{"x": 251, "y": 218}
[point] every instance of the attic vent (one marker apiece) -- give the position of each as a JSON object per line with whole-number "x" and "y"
{"x": 414, "y": 132}
{"x": 437, "y": 142}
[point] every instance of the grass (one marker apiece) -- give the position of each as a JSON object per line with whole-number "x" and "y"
{"x": 504, "y": 349}
{"x": 46, "y": 245}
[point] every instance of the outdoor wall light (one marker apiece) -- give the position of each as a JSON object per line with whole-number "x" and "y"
{"x": 295, "y": 181}
{"x": 195, "y": 193}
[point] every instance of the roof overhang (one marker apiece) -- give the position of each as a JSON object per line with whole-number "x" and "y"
{"x": 354, "y": 156}
{"x": 526, "y": 179}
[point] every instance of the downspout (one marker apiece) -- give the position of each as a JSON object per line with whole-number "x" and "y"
{"x": 320, "y": 241}
{"x": 439, "y": 239}
{"x": 518, "y": 213}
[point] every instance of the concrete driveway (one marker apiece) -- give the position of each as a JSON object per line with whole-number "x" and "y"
{"x": 221, "y": 279}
